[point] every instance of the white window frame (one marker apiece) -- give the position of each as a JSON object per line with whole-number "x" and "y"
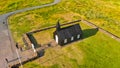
{"x": 78, "y": 36}
{"x": 72, "y": 38}
{"x": 65, "y": 40}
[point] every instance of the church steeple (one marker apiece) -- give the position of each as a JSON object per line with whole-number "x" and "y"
{"x": 58, "y": 26}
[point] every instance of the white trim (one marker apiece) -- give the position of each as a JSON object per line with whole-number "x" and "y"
{"x": 72, "y": 38}
{"x": 65, "y": 40}
{"x": 78, "y": 36}
{"x": 56, "y": 38}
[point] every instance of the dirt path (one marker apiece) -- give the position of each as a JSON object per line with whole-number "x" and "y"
{"x": 7, "y": 44}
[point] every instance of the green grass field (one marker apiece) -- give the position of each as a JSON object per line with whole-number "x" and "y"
{"x": 102, "y": 13}
{"x": 11, "y": 5}
{"x": 97, "y": 50}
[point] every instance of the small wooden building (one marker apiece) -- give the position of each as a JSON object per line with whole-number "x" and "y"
{"x": 68, "y": 34}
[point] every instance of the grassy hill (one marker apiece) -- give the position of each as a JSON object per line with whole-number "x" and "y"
{"x": 96, "y": 51}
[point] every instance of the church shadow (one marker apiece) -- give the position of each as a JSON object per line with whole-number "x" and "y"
{"x": 89, "y": 32}
{"x": 86, "y": 34}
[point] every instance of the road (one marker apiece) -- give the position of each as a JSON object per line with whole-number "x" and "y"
{"x": 7, "y": 44}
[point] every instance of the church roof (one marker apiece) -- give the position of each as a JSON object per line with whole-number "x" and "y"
{"x": 68, "y": 32}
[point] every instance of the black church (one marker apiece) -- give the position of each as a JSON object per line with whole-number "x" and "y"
{"x": 67, "y": 34}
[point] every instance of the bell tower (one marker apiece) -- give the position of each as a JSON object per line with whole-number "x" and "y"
{"x": 58, "y": 26}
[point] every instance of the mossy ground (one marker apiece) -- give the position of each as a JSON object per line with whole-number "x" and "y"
{"x": 95, "y": 51}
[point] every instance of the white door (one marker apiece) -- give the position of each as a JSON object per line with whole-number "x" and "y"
{"x": 56, "y": 38}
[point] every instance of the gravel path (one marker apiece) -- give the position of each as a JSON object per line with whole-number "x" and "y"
{"x": 7, "y": 44}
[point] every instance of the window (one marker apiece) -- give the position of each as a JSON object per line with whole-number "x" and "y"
{"x": 78, "y": 36}
{"x": 65, "y": 40}
{"x": 72, "y": 38}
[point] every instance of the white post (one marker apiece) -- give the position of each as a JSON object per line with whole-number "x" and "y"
{"x": 19, "y": 58}
{"x": 33, "y": 47}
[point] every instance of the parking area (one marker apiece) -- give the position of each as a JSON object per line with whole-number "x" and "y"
{"x": 7, "y": 50}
